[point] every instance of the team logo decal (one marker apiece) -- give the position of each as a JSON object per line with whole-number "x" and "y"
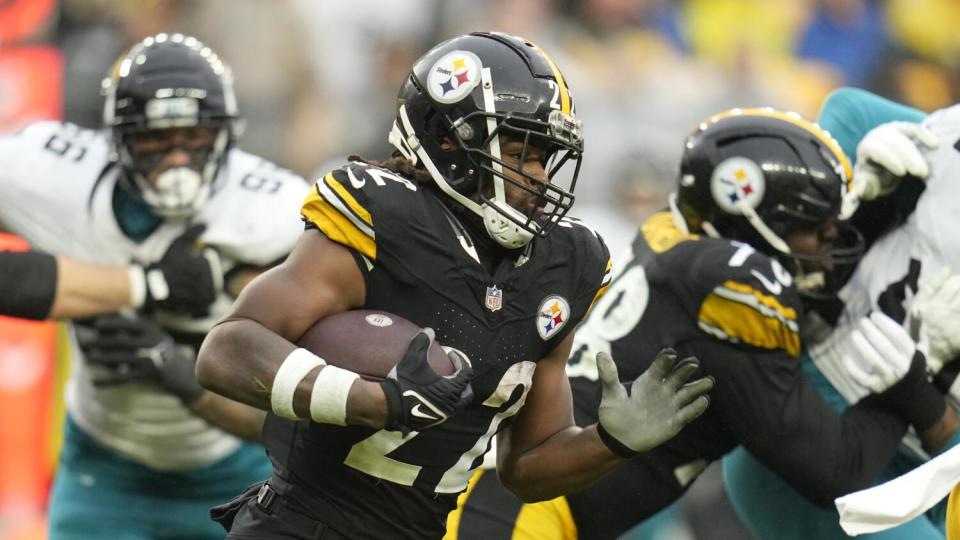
{"x": 378, "y": 319}
{"x": 553, "y": 314}
{"x": 494, "y": 299}
{"x": 453, "y": 76}
{"x": 735, "y": 181}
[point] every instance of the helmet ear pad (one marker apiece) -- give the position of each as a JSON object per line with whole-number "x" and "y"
{"x": 449, "y": 148}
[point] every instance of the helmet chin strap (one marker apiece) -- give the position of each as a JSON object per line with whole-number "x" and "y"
{"x": 804, "y": 281}
{"x": 503, "y": 230}
{"x": 771, "y": 237}
{"x": 813, "y": 281}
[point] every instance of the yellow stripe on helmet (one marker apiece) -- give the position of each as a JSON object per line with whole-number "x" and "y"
{"x": 565, "y": 101}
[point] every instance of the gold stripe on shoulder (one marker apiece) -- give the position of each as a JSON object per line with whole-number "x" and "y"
{"x": 662, "y": 233}
{"x": 744, "y": 293}
{"x": 604, "y": 285}
{"x": 338, "y": 227}
{"x": 739, "y": 313}
{"x": 351, "y": 202}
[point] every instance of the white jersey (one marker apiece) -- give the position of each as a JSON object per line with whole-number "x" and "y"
{"x": 56, "y": 188}
{"x": 914, "y": 253}
{"x": 906, "y": 258}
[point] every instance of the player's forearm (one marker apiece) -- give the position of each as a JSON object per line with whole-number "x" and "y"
{"x": 83, "y": 290}
{"x": 568, "y": 461}
{"x": 231, "y": 416}
{"x": 850, "y": 453}
{"x": 935, "y": 437}
{"x": 240, "y": 358}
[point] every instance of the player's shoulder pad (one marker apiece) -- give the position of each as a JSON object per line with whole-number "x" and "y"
{"x": 739, "y": 294}
{"x": 347, "y": 203}
{"x": 252, "y": 216}
{"x": 48, "y": 139}
{"x": 590, "y": 252}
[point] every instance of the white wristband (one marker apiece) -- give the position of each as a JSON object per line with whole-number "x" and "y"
{"x": 138, "y": 285}
{"x": 293, "y": 369}
{"x": 328, "y": 402}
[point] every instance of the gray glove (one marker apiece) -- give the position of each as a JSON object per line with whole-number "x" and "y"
{"x": 660, "y": 403}
{"x": 138, "y": 350}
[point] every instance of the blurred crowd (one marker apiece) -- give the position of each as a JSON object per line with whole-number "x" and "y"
{"x": 316, "y": 80}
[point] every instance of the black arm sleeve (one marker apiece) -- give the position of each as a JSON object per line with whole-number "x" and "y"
{"x": 28, "y": 284}
{"x": 773, "y": 410}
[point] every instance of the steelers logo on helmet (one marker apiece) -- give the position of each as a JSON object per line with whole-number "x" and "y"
{"x": 735, "y": 181}
{"x": 552, "y": 315}
{"x": 453, "y": 76}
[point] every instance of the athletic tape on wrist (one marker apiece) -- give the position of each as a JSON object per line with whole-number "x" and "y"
{"x": 293, "y": 369}
{"x": 138, "y": 285}
{"x": 328, "y": 402}
{"x": 157, "y": 285}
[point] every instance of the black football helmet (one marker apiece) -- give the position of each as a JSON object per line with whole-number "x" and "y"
{"x": 756, "y": 175}
{"x": 170, "y": 81}
{"x": 471, "y": 90}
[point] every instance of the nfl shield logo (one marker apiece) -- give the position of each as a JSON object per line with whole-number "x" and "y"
{"x": 494, "y": 298}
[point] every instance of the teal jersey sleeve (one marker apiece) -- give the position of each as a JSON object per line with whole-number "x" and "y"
{"x": 849, "y": 113}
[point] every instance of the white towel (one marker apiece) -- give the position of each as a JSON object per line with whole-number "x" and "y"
{"x": 902, "y": 498}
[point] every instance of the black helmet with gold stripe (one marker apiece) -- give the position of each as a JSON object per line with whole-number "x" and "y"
{"x": 758, "y": 175}
{"x": 461, "y": 99}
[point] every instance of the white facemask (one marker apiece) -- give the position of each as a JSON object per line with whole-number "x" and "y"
{"x": 178, "y": 191}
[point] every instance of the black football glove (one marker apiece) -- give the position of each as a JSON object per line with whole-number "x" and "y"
{"x": 417, "y": 397}
{"x": 659, "y": 405}
{"x": 186, "y": 279}
{"x": 138, "y": 350}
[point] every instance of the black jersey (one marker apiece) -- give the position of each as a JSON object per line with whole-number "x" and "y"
{"x": 737, "y": 311}
{"x": 418, "y": 262}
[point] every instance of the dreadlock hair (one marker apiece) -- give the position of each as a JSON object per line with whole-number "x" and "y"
{"x": 399, "y": 164}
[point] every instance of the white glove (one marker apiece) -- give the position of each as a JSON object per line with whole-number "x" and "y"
{"x": 936, "y": 310}
{"x": 869, "y": 357}
{"x": 886, "y": 154}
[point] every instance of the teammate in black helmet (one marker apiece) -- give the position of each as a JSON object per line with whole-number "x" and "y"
{"x": 726, "y": 275}
{"x": 464, "y": 231}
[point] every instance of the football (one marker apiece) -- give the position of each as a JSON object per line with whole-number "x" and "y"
{"x": 368, "y": 343}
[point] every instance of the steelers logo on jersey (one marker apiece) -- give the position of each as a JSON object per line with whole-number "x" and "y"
{"x": 552, "y": 316}
{"x": 735, "y": 181}
{"x": 453, "y": 76}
